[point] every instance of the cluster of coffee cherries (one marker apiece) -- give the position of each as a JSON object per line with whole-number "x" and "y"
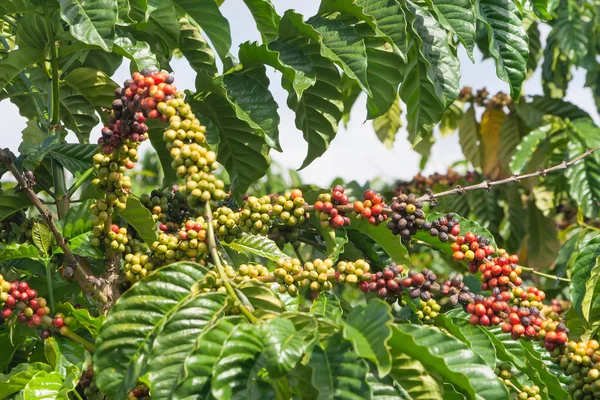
{"x": 529, "y": 393}
{"x": 212, "y": 282}
{"x": 87, "y": 385}
{"x": 371, "y": 208}
{"x": 456, "y": 291}
{"x": 116, "y": 238}
{"x": 352, "y": 272}
{"x": 407, "y": 216}
{"x": 581, "y": 360}
{"x": 289, "y": 208}
{"x": 225, "y": 224}
{"x": 289, "y": 273}
{"x": 488, "y": 311}
{"x": 255, "y": 215}
{"x": 202, "y": 187}
{"x": 188, "y": 243}
{"x": 504, "y": 372}
{"x": 443, "y": 227}
{"x": 246, "y": 272}
{"x": 428, "y": 310}
{"x": 500, "y": 272}
{"x": 326, "y": 208}
{"x": 138, "y": 265}
{"x": 140, "y": 392}
{"x": 473, "y": 249}
{"x": 17, "y": 298}
{"x": 168, "y": 206}
{"x": 18, "y": 227}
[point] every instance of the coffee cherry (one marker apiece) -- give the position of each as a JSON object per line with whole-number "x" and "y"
{"x": 255, "y": 215}
{"x": 405, "y": 220}
{"x": 290, "y": 208}
{"x": 327, "y": 211}
{"x": 225, "y": 224}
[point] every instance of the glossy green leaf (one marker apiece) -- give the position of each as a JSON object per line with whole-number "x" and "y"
{"x": 550, "y": 373}
{"x": 76, "y": 158}
{"x": 135, "y": 321}
{"x": 195, "y": 48}
{"x": 177, "y": 339}
{"x": 384, "y": 388}
{"x": 474, "y": 336}
{"x": 20, "y": 6}
{"x": 13, "y": 251}
{"x": 258, "y": 245}
{"x": 444, "y": 67}
{"x": 388, "y": 124}
{"x": 140, "y": 218}
{"x": 533, "y": 112}
{"x": 33, "y": 32}
{"x": 266, "y": 17}
{"x": 156, "y": 130}
{"x": 78, "y": 114}
{"x": 196, "y": 374}
{"x": 449, "y": 357}
{"x": 584, "y": 179}
{"x": 241, "y": 150}
{"x": 458, "y": 17}
{"x": 43, "y": 386}
{"x": 261, "y": 297}
{"x": 451, "y": 118}
{"x": 17, "y": 61}
{"x": 82, "y": 317}
{"x": 586, "y": 264}
{"x": 91, "y": 21}
{"x": 138, "y": 52}
{"x": 392, "y": 245}
{"x": 468, "y": 136}
{"x": 528, "y": 145}
{"x": 319, "y": 110}
{"x": 412, "y": 376}
{"x": 368, "y": 327}
{"x": 297, "y": 68}
{"x": 535, "y": 48}
{"x": 507, "y": 41}
{"x": 338, "y": 372}
{"x": 42, "y": 237}
{"x": 546, "y": 7}
{"x": 207, "y": 14}
{"x": 20, "y": 376}
{"x": 93, "y": 84}
{"x": 337, "y": 42}
{"x": 235, "y": 374}
{"x": 328, "y": 305}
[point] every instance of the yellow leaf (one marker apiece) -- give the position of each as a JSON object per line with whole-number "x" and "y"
{"x": 491, "y": 121}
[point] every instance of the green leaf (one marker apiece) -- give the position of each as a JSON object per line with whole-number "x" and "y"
{"x": 42, "y": 237}
{"x": 91, "y": 21}
{"x": 412, "y": 376}
{"x": 550, "y": 373}
{"x": 458, "y": 17}
{"x": 384, "y": 388}
{"x": 258, "y": 245}
{"x": 207, "y": 14}
{"x": 507, "y": 41}
{"x": 528, "y": 146}
{"x": 198, "y": 365}
{"x": 20, "y": 7}
{"x": 585, "y": 265}
{"x": 517, "y": 220}
{"x": 261, "y": 297}
{"x": 451, "y": 118}
{"x": 64, "y": 355}
{"x": 474, "y": 336}
{"x": 533, "y": 112}
{"x": 74, "y": 157}
{"x": 535, "y": 48}
{"x": 235, "y": 375}
{"x": 195, "y": 49}
{"x": 584, "y": 178}
{"x": 468, "y": 136}
{"x": 177, "y": 339}
{"x": 83, "y": 318}
{"x": 78, "y": 114}
{"x": 569, "y": 31}
{"x": 328, "y": 305}
{"x": 432, "y": 39}
{"x": 486, "y": 210}
{"x": 392, "y": 245}
{"x": 17, "y": 61}
{"x": 140, "y": 218}
{"x": 138, "y": 52}
{"x": 156, "y": 129}
{"x": 43, "y": 386}
{"x": 12, "y": 201}
{"x": 284, "y": 345}
{"x": 334, "y": 239}
{"x": 94, "y": 85}
{"x": 296, "y": 67}
{"x": 388, "y": 124}
{"x": 34, "y": 32}
{"x": 266, "y": 17}
{"x": 13, "y": 251}
{"x": 545, "y": 7}
{"x": 510, "y": 137}
{"x": 320, "y": 108}
{"x": 241, "y": 151}
{"x": 368, "y": 327}
{"x": 20, "y": 376}
{"x": 542, "y": 244}
{"x": 135, "y": 321}
{"x": 449, "y": 357}
{"x": 384, "y": 73}
{"x": 337, "y": 42}
{"x": 338, "y": 372}
{"x": 424, "y": 103}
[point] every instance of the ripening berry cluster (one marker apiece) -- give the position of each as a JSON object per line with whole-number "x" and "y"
{"x": 443, "y": 227}
{"x": 501, "y": 272}
{"x": 246, "y": 272}
{"x": 352, "y": 272}
{"x": 212, "y": 282}
{"x": 188, "y": 243}
{"x": 456, "y": 290}
{"x": 326, "y": 211}
{"x": 225, "y": 224}
{"x": 140, "y": 392}
{"x": 407, "y": 216}
{"x": 428, "y": 310}
{"x": 87, "y": 385}
{"x": 488, "y": 311}
{"x": 17, "y": 227}
{"x": 580, "y": 360}
{"x": 504, "y": 372}
{"x": 290, "y": 273}
{"x": 289, "y": 208}
{"x": 138, "y": 265}
{"x": 168, "y": 206}
{"x": 17, "y": 298}
{"x": 255, "y": 215}
{"x": 473, "y": 249}
{"x": 371, "y": 208}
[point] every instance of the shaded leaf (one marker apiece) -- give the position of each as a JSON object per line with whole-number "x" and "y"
{"x": 388, "y": 124}
{"x": 468, "y": 136}
{"x": 140, "y": 218}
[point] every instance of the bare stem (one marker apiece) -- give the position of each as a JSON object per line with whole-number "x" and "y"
{"x": 556, "y": 278}
{"x": 217, "y": 260}
{"x": 82, "y": 273}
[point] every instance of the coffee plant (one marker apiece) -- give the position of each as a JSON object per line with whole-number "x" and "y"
{"x": 223, "y": 280}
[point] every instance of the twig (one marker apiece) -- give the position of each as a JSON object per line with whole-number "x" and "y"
{"x": 217, "y": 260}
{"x": 82, "y": 273}
{"x": 89, "y": 172}
{"x": 556, "y": 278}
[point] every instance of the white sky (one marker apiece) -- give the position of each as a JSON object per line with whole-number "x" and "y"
{"x": 356, "y": 153}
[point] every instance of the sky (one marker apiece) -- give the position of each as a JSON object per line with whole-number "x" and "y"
{"x": 355, "y": 153}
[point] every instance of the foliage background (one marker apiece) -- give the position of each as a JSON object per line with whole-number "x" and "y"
{"x": 355, "y": 142}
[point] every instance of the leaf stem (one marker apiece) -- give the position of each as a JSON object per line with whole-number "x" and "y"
{"x": 217, "y": 260}
{"x": 77, "y": 184}
{"x": 69, "y": 334}
{"x": 49, "y": 283}
{"x": 297, "y": 251}
{"x": 556, "y": 278}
